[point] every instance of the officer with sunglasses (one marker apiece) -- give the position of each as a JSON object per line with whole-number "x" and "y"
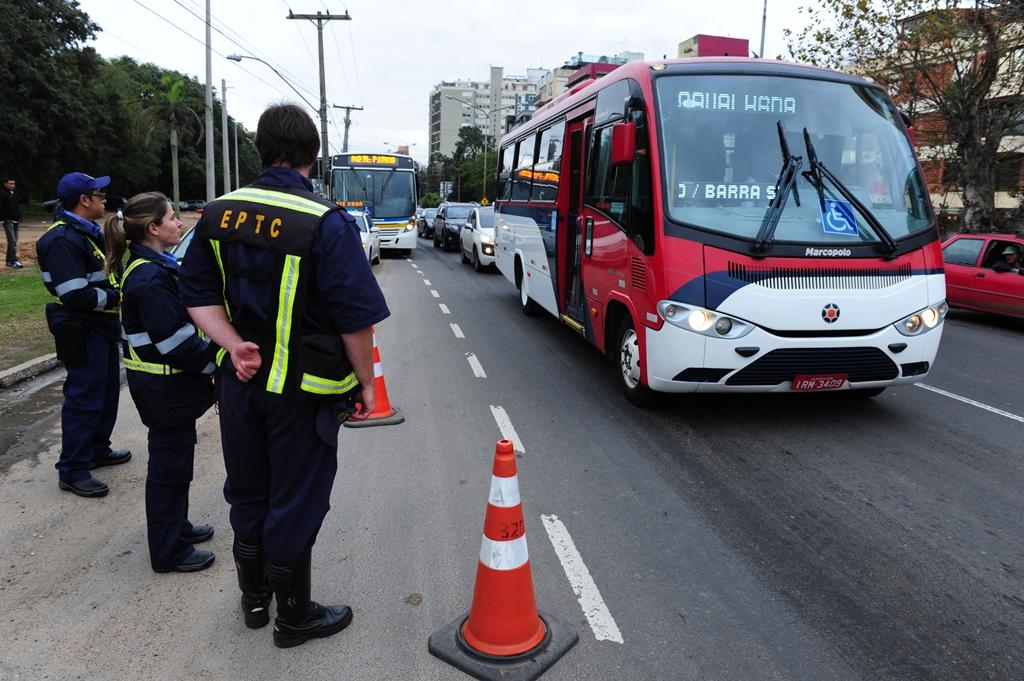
{"x": 84, "y": 323}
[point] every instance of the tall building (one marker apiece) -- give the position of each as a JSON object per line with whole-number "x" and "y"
{"x": 702, "y": 45}
{"x": 484, "y": 104}
{"x": 555, "y": 82}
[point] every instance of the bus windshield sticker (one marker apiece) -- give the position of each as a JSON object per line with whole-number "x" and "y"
{"x": 727, "y": 101}
{"x": 838, "y": 218}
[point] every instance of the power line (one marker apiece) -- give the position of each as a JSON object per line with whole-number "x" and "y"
{"x": 355, "y": 65}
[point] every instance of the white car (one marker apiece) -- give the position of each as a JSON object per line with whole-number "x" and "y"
{"x": 369, "y": 234}
{"x": 477, "y": 238}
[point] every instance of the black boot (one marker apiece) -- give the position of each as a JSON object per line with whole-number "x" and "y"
{"x": 299, "y": 618}
{"x": 252, "y": 580}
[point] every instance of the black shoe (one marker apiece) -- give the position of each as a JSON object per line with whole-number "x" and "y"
{"x": 199, "y": 534}
{"x": 299, "y": 618}
{"x": 17, "y": 265}
{"x": 116, "y": 457}
{"x": 90, "y": 487}
{"x": 199, "y": 560}
{"x": 252, "y": 580}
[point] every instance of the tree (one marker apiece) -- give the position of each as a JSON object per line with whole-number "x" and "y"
{"x": 469, "y": 143}
{"x": 166, "y": 105}
{"x": 430, "y": 200}
{"x": 958, "y": 69}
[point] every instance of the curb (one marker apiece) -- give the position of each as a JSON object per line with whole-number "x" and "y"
{"x": 27, "y": 370}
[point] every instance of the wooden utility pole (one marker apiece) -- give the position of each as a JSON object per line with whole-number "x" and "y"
{"x": 348, "y": 121}
{"x": 320, "y": 18}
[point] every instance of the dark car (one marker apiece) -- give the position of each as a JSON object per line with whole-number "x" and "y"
{"x": 192, "y": 204}
{"x": 425, "y": 222}
{"x": 448, "y": 224}
{"x": 978, "y": 276}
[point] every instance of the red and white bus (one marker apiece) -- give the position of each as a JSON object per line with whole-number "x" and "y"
{"x": 727, "y": 225}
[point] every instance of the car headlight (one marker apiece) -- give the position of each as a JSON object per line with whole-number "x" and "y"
{"x": 705, "y": 322}
{"x": 922, "y": 321}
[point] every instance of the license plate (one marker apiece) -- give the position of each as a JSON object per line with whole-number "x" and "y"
{"x": 819, "y": 382}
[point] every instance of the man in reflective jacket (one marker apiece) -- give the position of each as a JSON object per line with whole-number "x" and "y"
{"x": 277, "y": 277}
{"x": 84, "y": 323}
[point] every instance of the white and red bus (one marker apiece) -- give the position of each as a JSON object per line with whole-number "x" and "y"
{"x": 727, "y": 225}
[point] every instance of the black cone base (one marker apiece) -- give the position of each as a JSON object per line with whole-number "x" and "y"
{"x": 392, "y": 420}
{"x": 448, "y": 644}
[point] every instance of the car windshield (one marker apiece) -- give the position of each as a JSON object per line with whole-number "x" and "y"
{"x": 429, "y": 213}
{"x": 486, "y": 218}
{"x": 361, "y": 221}
{"x": 186, "y": 240}
{"x": 458, "y": 212}
{"x": 386, "y": 193}
{"x": 722, "y": 157}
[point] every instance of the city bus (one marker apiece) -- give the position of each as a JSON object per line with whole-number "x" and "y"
{"x": 722, "y": 225}
{"x": 384, "y": 186}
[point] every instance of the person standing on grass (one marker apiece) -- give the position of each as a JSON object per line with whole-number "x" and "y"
{"x": 10, "y": 215}
{"x": 170, "y": 373}
{"x": 85, "y": 328}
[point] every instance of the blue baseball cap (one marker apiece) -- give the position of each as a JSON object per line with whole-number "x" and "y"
{"x": 73, "y": 185}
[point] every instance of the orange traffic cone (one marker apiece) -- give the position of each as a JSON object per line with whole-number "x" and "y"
{"x": 383, "y": 414}
{"x": 503, "y": 636}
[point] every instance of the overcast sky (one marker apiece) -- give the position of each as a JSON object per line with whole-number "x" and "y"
{"x": 392, "y": 52}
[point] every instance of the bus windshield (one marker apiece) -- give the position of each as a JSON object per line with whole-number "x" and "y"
{"x": 723, "y": 158}
{"x": 382, "y": 193}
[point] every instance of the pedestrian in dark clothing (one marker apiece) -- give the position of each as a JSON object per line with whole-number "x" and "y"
{"x": 170, "y": 373}
{"x": 84, "y": 324}
{"x": 277, "y": 276}
{"x": 10, "y": 215}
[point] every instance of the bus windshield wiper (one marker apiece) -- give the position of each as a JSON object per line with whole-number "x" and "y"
{"x": 785, "y": 184}
{"x": 818, "y": 172}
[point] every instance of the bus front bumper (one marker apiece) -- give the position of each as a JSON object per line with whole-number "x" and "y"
{"x": 395, "y": 236}
{"x": 682, "y": 361}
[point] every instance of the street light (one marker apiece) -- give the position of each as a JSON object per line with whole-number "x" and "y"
{"x": 486, "y": 112}
{"x": 396, "y": 146}
{"x": 240, "y": 57}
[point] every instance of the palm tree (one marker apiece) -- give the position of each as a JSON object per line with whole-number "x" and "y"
{"x": 167, "y": 106}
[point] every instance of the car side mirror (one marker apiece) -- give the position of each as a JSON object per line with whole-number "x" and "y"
{"x": 623, "y": 144}
{"x": 909, "y": 125}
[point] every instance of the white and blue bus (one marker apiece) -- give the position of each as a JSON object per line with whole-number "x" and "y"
{"x": 384, "y": 186}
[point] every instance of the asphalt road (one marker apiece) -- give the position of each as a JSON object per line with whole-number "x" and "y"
{"x": 750, "y": 537}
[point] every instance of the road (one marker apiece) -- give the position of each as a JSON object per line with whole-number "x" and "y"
{"x": 750, "y": 537}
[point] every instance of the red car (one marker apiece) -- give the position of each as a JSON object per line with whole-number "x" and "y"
{"x": 971, "y": 280}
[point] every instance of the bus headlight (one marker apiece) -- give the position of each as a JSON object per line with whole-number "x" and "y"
{"x": 411, "y": 225}
{"x": 922, "y": 321}
{"x": 704, "y": 322}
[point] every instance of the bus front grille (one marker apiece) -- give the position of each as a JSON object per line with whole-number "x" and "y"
{"x": 833, "y": 278}
{"x": 778, "y": 366}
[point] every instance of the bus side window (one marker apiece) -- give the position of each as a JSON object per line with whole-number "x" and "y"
{"x": 641, "y": 218}
{"x": 549, "y": 161}
{"x": 523, "y": 175}
{"x": 607, "y": 185}
{"x": 505, "y": 172}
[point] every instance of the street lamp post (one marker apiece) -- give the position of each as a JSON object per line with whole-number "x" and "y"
{"x": 488, "y": 113}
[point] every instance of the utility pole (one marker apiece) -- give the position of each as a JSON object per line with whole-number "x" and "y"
{"x": 348, "y": 122}
{"x": 211, "y": 185}
{"x": 320, "y": 18}
{"x": 238, "y": 178}
{"x": 764, "y": 22}
{"x": 225, "y": 147}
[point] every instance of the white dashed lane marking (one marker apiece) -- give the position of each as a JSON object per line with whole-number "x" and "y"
{"x": 505, "y": 426}
{"x": 435, "y": 293}
{"x": 444, "y": 308}
{"x": 427, "y": 282}
{"x": 594, "y": 609}
{"x": 457, "y": 331}
{"x": 474, "y": 363}
{"x": 973, "y": 403}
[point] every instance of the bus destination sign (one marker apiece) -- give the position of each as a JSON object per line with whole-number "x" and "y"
{"x": 372, "y": 161}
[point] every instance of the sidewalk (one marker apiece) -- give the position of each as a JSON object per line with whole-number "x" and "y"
{"x": 26, "y": 370}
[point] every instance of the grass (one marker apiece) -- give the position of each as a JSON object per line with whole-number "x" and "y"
{"x": 23, "y": 331}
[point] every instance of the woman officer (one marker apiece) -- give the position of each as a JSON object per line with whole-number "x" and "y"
{"x": 169, "y": 367}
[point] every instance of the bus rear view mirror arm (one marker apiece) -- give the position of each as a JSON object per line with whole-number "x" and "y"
{"x": 623, "y": 143}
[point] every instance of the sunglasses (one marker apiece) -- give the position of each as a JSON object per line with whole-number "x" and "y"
{"x": 97, "y": 194}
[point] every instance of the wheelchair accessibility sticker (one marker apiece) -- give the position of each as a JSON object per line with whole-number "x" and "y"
{"x": 838, "y": 218}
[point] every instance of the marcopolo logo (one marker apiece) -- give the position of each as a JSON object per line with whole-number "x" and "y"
{"x": 828, "y": 252}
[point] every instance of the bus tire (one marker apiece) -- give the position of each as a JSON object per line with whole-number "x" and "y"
{"x": 627, "y": 364}
{"x": 526, "y": 303}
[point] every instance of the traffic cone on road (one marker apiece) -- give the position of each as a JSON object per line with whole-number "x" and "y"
{"x": 383, "y": 414}
{"x": 503, "y": 636}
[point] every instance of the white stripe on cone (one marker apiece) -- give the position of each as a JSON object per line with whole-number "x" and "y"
{"x": 504, "y": 492}
{"x": 504, "y": 555}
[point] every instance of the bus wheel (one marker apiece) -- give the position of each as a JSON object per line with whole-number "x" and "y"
{"x": 525, "y": 302}
{"x": 628, "y": 365}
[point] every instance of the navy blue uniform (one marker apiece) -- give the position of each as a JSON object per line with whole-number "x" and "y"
{"x": 85, "y": 326}
{"x": 170, "y": 368}
{"x": 281, "y": 453}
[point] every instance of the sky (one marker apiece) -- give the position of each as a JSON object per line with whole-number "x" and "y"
{"x": 391, "y": 53}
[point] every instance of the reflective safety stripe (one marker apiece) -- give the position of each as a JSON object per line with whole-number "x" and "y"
{"x": 378, "y": 370}
{"x": 47, "y": 279}
{"x": 279, "y": 199}
{"x": 71, "y": 285}
{"x": 101, "y": 300}
{"x": 326, "y": 386}
{"x": 209, "y": 368}
{"x": 179, "y": 337}
{"x": 504, "y": 555}
{"x": 137, "y": 340}
{"x": 285, "y": 303}
{"x": 219, "y": 358}
{"x": 148, "y": 367}
{"x": 96, "y": 276}
{"x": 215, "y": 245}
{"x": 504, "y": 492}
{"x": 131, "y": 268}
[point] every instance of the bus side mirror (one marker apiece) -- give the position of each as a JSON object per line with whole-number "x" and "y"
{"x": 910, "y": 127}
{"x": 623, "y": 144}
